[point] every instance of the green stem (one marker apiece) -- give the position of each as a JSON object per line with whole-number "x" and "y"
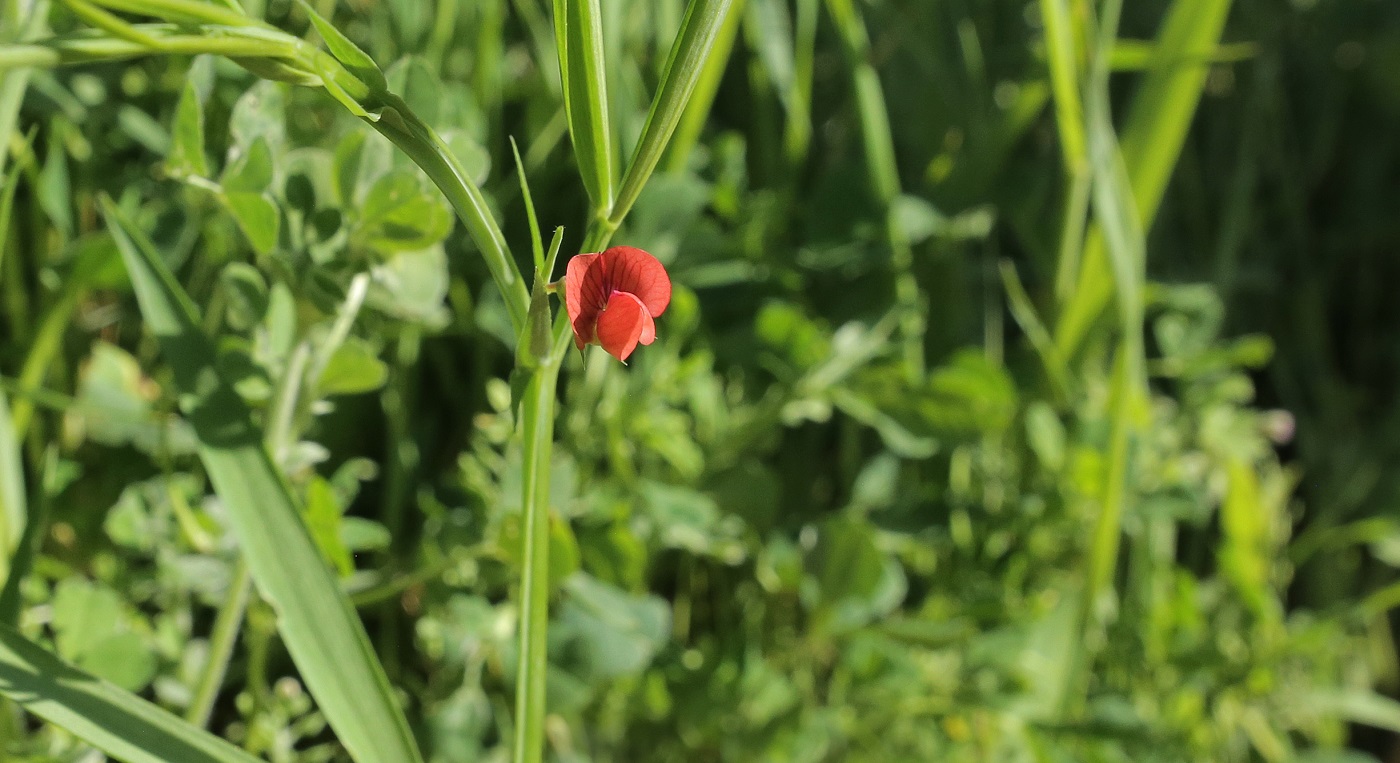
{"x": 47, "y": 343}
{"x": 221, "y": 642}
{"x": 427, "y": 150}
{"x": 537, "y": 425}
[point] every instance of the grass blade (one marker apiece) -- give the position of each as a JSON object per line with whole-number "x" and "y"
{"x": 698, "y": 110}
{"x": 13, "y": 509}
{"x": 1156, "y": 128}
{"x": 115, "y": 721}
{"x": 578, "y": 34}
{"x": 700, "y": 31}
{"x": 316, "y": 620}
{"x": 882, "y": 169}
{"x": 1124, "y": 243}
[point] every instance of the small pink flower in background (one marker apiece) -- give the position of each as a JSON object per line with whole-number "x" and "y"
{"x": 614, "y": 297}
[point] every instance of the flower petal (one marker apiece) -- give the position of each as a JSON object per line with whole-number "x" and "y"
{"x": 638, "y": 273}
{"x": 621, "y": 324}
{"x": 584, "y": 295}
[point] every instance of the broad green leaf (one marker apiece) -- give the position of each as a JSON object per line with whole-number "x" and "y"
{"x": 323, "y": 517}
{"x": 354, "y": 368}
{"x": 113, "y": 406}
{"x": 251, "y": 171}
{"x": 117, "y": 722}
{"x": 855, "y": 580}
{"x": 259, "y": 114}
{"x": 609, "y": 632}
{"x": 412, "y": 286}
{"x": 399, "y": 214}
{"x": 245, "y": 295}
{"x": 257, "y": 217}
{"x": 316, "y": 620}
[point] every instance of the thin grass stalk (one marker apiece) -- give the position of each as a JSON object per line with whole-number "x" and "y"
{"x": 883, "y": 172}
{"x": 1116, "y": 213}
{"x": 221, "y": 642}
{"x": 1153, "y": 136}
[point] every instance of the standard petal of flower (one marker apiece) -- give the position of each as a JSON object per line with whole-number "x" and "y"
{"x": 635, "y": 271}
{"x": 620, "y": 325}
{"x": 583, "y": 296}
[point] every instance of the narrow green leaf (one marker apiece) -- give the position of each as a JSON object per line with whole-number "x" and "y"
{"x": 1155, "y": 131}
{"x": 870, "y": 102}
{"x": 316, "y": 620}
{"x": 117, "y": 722}
{"x": 536, "y": 241}
{"x": 696, "y": 42}
{"x": 11, "y": 600}
{"x": 347, "y": 52}
{"x": 1064, "y": 80}
{"x": 697, "y": 111}
{"x": 13, "y": 508}
{"x": 578, "y": 33}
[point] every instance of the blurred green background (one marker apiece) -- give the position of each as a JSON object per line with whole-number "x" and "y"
{"x": 900, "y": 479}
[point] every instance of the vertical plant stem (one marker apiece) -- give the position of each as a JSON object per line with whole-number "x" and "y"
{"x": 400, "y": 466}
{"x": 537, "y": 426}
{"x": 883, "y": 171}
{"x": 45, "y": 347}
{"x": 221, "y": 641}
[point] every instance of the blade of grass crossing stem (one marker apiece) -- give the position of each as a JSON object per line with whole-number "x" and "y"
{"x": 1116, "y": 215}
{"x": 317, "y": 623}
{"x": 1158, "y": 120}
{"x": 578, "y": 35}
{"x": 114, "y": 721}
{"x": 537, "y": 426}
{"x": 883, "y": 173}
{"x": 695, "y": 43}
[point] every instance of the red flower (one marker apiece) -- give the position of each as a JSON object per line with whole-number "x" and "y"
{"x": 613, "y": 297}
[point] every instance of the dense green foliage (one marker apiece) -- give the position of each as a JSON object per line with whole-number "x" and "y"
{"x": 960, "y": 439}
